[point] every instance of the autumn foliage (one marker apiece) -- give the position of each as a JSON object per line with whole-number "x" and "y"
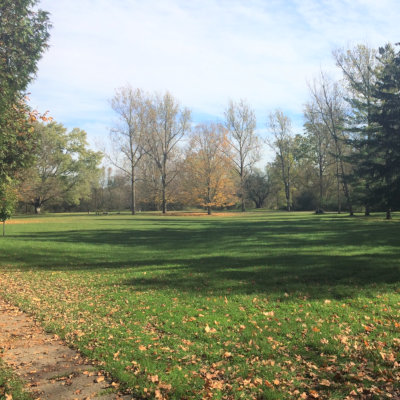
{"x": 208, "y": 181}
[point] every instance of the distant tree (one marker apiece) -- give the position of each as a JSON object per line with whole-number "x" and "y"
{"x": 240, "y": 120}
{"x": 24, "y": 32}
{"x": 63, "y": 169}
{"x": 208, "y": 168}
{"x": 258, "y": 187}
{"x": 358, "y": 66}
{"x": 318, "y": 148}
{"x": 168, "y": 123}
{"x": 328, "y": 102}
{"x": 129, "y": 133}
{"x": 282, "y": 142}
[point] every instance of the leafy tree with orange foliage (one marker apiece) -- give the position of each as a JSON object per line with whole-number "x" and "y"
{"x": 209, "y": 181}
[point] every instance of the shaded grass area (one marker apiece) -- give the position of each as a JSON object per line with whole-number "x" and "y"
{"x": 263, "y": 305}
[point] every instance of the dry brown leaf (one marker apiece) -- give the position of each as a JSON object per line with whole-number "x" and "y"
{"x": 154, "y": 378}
{"x": 209, "y": 330}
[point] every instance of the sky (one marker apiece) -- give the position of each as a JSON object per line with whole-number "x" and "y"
{"x": 205, "y": 52}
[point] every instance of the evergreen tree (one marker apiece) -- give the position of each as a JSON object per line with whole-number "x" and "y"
{"x": 384, "y": 145}
{"x": 359, "y": 70}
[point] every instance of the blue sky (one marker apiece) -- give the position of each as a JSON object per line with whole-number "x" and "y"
{"x": 204, "y": 52}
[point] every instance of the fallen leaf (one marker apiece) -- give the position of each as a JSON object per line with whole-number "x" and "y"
{"x": 325, "y": 382}
{"x": 154, "y": 378}
{"x": 209, "y": 330}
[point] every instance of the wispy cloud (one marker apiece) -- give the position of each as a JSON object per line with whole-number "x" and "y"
{"x": 204, "y": 51}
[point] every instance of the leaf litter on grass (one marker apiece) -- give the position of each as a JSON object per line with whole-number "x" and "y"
{"x": 206, "y": 342}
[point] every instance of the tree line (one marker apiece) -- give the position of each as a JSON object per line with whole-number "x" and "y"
{"x": 346, "y": 158}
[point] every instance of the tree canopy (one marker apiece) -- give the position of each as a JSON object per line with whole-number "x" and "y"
{"x": 24, "y": 33}
{"x": 63, "y": 169}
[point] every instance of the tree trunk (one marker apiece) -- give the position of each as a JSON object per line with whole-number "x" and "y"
{"x": 4, "y": 228}
{"x": 321, "y": 187}
{"x": 346, "y": 190}
{"x": 37, "y": 204}
{"x": 339, "y": 206}
{"x": 133, "y": 197}
{"x": 164, "y": 199}
{"x": 287, "y": 195}
{"x": 367, "y": 208}
{"x": 389, "y": 213}
{"x": 209, "y": 210}
{"x": 242, "y": 191}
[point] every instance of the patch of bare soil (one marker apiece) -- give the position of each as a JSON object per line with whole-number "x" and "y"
{"x": 50, "y": 369}
{"x": 21, "y": 221}
{"x": 197, "y": 214}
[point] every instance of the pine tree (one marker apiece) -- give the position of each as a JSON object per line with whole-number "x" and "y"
{"x": 384, "y": 145}
{"x": 359, "y": 70}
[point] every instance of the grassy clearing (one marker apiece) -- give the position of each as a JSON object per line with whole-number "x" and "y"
{"x": 261, "y": 305}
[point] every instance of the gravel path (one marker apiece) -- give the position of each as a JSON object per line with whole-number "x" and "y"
{"x": 50, "y": 369}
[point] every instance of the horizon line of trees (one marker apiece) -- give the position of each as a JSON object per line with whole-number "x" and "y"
{"x": 346, "y": 158}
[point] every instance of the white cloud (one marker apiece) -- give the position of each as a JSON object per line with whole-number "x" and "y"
{"x": 204, "y": 51}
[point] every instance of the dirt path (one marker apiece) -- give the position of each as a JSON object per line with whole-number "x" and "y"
{"x": 50, "y": 369}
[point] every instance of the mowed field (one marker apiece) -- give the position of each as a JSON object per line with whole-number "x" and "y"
{"x": 259, "y": 305}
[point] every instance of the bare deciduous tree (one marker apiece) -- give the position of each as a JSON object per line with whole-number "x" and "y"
{"x": 282, "y": 143}
{"x": 320, "y": 147}
{"x": 168, "y": 123}
{"x": 128, "y": 133}
{"x": 329, "y": 104}
{"x": 240, "y": 121}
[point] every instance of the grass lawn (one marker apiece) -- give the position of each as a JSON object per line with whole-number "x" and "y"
{"x": 262, "y": 305}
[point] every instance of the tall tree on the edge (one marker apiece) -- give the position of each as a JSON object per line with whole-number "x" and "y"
{"x": 384, "y": 145}
{"x": 24, "y": 33}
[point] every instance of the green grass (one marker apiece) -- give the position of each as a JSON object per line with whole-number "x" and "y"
{"x": 262, "y": 305}
{"x": 10, "y": 385}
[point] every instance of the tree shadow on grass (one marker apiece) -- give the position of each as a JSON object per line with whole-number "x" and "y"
{"x": 316, "y": 257}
